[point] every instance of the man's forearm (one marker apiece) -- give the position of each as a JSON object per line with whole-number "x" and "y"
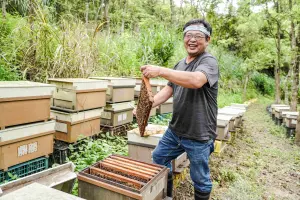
{"x": 185, "y": 79}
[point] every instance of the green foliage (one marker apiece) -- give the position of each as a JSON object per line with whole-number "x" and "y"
{"x": 161, "y": 119}
{"x": 263, "y": 83}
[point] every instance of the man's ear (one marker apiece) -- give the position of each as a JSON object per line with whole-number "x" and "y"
{"x": 208, "y": 39}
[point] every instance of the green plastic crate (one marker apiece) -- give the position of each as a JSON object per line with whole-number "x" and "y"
{"x": 25, "y": 169}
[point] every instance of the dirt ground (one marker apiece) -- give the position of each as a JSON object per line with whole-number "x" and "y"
{"x": 261, "y": 163}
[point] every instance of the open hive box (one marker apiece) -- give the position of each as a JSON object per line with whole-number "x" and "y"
{"x": 77, "y": 94}
{"x": 71, "y": 127}
{"x": 119, "y": 89}
{"x": 141, "y": 148}
{"x": 24, "y": 102}
{"x": 117, "y": 114}
{"x": 118, "y": 177}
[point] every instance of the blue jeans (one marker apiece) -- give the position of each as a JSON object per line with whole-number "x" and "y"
{"x": 171, "y": 146}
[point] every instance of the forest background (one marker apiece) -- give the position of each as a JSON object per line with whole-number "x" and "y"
{"x": 257, "y": 43}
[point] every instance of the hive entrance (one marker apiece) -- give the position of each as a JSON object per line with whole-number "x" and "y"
{"x": 144, "y": 105}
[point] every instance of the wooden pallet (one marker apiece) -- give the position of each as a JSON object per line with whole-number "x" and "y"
{"x": 116, "y": 130}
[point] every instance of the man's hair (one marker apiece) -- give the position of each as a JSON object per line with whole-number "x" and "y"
{"x": 199, "y": 21}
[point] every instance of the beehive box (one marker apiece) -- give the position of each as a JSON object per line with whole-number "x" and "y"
{"x": 119, "y": 89}
{"x": 141, "y": 148}
{"x": 222, "y": 128}
{"x": 117, "y": 114}
{"x": 291, "y": 119}
{"x": 71, "y": 127}
{"x": 273, "y": 106}
{"x": 236, "y": 114}
{"x": 24, "y": 102}
{"x": 229, "y": 118}
{"x": 238, "y": 105}
{"x": 79, "y": 94}
{"x": 279, "y": 110}
{"x": 118, "y": 177}
{"x": 166, "y": 107}
{"x": 22, "y": 143}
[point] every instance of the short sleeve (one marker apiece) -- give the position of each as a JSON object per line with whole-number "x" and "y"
{"x": 209, "y": 67}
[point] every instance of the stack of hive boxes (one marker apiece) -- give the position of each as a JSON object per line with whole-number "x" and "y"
{"x": 26, "y": 131}
{"x": 77, "y": 106}
{"x": 119, "y": 102}
{"x": 229, "y": 119}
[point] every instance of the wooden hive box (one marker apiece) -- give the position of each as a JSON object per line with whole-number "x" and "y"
{"x": 117, "y": 114}
{"x": 222, "y": 127}
{"x": 119, "y": 89}
{"x": 273, "y": 106}
{"x": 279, "y": 110}
{"x": 291, "y": 119}
{"x": 230, "y": 118}
{"x": 26, "y": 142}
{"x": 141, "y": 148}
{"x": 236, "y": 114}
{"x": 118, "y": 177}
{"x": 23, "y": 102}
{"x": 77, "y": 94}
{"x": 166, "y": 107}
{"x": 71, "y": 127}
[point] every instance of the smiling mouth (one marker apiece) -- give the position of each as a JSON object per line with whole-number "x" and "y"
{"x": 192, "y": 46}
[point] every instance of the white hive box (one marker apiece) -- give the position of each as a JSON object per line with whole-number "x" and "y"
{"x": 26, "y": 142}
{"x": 291, "y": 119}
{"x": 231, "y": 119}
{"x": 141, "y": 148}
{"x": 117, "y": 114}
{"x": 119, "y": 89}
{"x": 222, "y": 128}
{"x": 77, "y": 94}
{"x": 277, "y": 105}
{"x": 239, "y": 105}
{"x": 71, "y": 127}
{"x": 278, "y": 111}
{"x": 236, "y": 114}
{"x": 24, "y": 102}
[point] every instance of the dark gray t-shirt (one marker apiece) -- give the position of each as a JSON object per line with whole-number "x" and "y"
{"x": 195, "y": 110}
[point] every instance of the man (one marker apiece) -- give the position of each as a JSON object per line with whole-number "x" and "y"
{"x": 194, "y": 85}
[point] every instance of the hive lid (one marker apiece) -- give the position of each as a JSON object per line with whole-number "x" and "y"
{"x": 278, "y": 105}
{"x": 144, "y": 105}
{"x": 36, "y": 191}
{"x": 15, "y": 89}
{"x": 230, "y": 111}
{"x": 120, "y": 106}
{"x": 117, "y": 81}
{"x": 18, "y": 133}
{"x": 78, "y": 83}
{"x": 239, "y": 105}
{"x": 278, "y": 109}
{"x": 76, "y": 117}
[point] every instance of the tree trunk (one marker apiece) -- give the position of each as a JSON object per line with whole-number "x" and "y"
{"x": 4, "y": 8}
{"x": 172, "y": 7}
{"x": 99, "y": 10}
{"x": 87, "y": 13}
{"x": 297, "y": 134}
{"x": 295, "y": 61}
{"x": 106, "y": 17}
{"x": 277, "y": 67}
{"x": 245, "y": 87}
{"x": 286, "y": 89}
{"x": 123, "y": 17}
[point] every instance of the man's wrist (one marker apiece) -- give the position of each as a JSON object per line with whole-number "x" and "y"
{"x": 163, "y": 71}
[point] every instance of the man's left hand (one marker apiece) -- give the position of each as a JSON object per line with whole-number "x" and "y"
{"x": 151, "y": 71}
